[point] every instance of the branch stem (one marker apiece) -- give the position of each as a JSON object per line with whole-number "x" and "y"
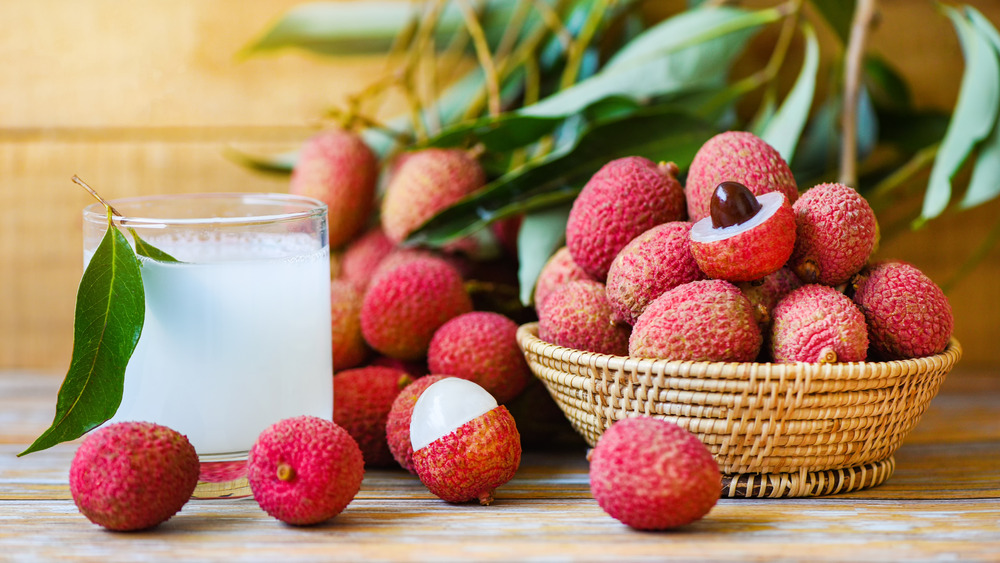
{"x": 864, "y": 15}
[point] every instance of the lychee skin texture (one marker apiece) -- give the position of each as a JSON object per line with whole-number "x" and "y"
{"x": 578, "y": 315}
{"x": 765, "y": 293}
{"x": 339, "y": 169}
{"x": 133, "y": 475}
{"x": 482, "y": 347}
{"x": 397, "y": 426}
{"x": 559, "y": 269}
{"x": 305, "y": 470}
{"x": 625, "y": 198}
{"x": 818, "y": 324}
{"x": 362, "y": 256}
{"x": 836, "y": 232}
{"x": 656, "y": 261}
{"x": 651, "y": 474}
{"x": 427, "y": 182}
{"x": 349, "y": 346}
{"x": 908, "y": 315}
{"x": 705, "y": 320}
{"x": 735, "y": 156}
{"x": 362, "y": 398}
{"x": 473, "y": 460}
{"x": 749, "y": 254}
{"x": 405, "y": 305}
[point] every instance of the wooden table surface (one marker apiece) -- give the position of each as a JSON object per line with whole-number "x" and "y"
{"x": 942, "y": 503}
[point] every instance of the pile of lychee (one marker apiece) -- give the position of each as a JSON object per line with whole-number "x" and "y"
{"x": 734, "y": 266}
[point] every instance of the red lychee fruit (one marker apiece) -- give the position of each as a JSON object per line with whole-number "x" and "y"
{"x": 746, "y": 237}
{"x": 651, "y": 474}
{"x": 304, "y": 470}
{"x": 818, "y": 324}
{"x": 836, "y": 232}
{"x": 656, "y": 261}
{"x": 339, "y": 169}
{"x": 133, "y": 475}
{"x": 705, "y": 320}
{"x": 625, "y": 198}
{"x": 578, "y": 315}
{"x": 559, "y": 269}
{"x": 481, "y": 346}
{"x": 405, "y": 305}
{"x": 349, "y": 347}
{"x": 464, "y": 445}
{"x": 735, "y": 156}
{"x": 765, "y": 293}
{"x": 363, "y": 255}
{"x": 362, "y": 398}
{"x": 397, "y": 425}
{"x": 427, "y": 182}
{"x": 908, "y": 315}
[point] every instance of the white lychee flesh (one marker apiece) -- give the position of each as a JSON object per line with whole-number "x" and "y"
{"x": 445, "y": 406}
{"x": 703, "y": 231}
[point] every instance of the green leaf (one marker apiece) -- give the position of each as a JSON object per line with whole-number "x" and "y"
{"x": 541, "y": 234}
{"x": 279, "y": 164}
{"x": 785, "y": 127}
{"x": 974, "y": 115}
{"x": 887, "y": 87}
{"x": 839, "y": 14}
{"x": 984, "y": 184}
{"x": 143, "y": 248}
{"x": 110, "y": 309}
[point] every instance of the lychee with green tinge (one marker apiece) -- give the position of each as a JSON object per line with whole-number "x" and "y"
{"x": 818, "y": 324}
{"x": 578, "y": 315}
{"x": 304, "y": 470}
{"x": 133, "y": 475}
{"x": 362, "y": 398}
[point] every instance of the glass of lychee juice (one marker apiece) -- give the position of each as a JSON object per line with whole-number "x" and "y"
{"x": 236, "y": 333}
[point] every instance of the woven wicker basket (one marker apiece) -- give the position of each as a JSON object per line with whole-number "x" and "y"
{"x": 777, "y": 430}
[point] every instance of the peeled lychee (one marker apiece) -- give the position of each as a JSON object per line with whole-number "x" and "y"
{"x": 464, "y": 445}
{"x": 427, "y": 182}
{"x": 908, "y": 315}
{"x": 578, "y": 315}
{"x": 349, "y": 347}
{"x": 481, "y": 346}
{"x": 705, "y": 320}
{"x": 818, "y": 324}
{"x": 397, "y": 425}
{"x": 746, "y": 237}
{"x": 836, "y": 232}
{"x": 651, "y": 474}
{"x": 339, "y": 169}
{"x": 559, "y": 269}
{"x": 405, "y": 305}
{"x": 362, "y": 398}
{"x": 625, "y": 198}
{"x": 735, "y": 156}
{"x": 658, "y": 260}
{"x": 304, "y": 470}
{"x": 362, "y": 256}
{"x": 133, "y": 475}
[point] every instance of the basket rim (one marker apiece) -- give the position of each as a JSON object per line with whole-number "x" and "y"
{"x": 528, "y": 340}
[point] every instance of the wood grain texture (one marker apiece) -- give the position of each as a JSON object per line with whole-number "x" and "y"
{"x": 942, "y": 503}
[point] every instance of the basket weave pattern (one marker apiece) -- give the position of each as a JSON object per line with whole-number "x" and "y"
{"x": 818, "y": 423}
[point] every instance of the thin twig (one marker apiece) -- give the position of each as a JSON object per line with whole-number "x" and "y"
{"x": 864, "y": 13}
{"x": 96, "y": 195}
{"x": 578, "y": 46}
{"x": 484, "y": 56}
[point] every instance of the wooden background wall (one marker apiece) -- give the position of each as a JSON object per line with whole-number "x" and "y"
{"x": 143, "y": 97}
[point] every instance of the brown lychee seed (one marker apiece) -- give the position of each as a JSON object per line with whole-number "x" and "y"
{"x": 732, "y": 204}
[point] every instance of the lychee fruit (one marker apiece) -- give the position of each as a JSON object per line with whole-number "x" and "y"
{"x": 818, "y": 324}
{"x": 836, "y": 232}
{"x": 651, "y": 474}
{"x": 735, "y": 156}
{"x": 415, "y": 368}
{"x": 765, "y": 293}
{"x": 349, "y": 346}
{"x": 908, "y": 315}
{"x": 362, "y": 398}
{"x": 304, "y": 470}
{"x": 481, "y": 346}
{"x": 625, "y": 198}
{"x": 658, "y": 260}
{"x": 464, "y": 445}
{"x": 578, "y": 315}
{"x": 363, "y": 255}
{"x": 704, "y": 320}
{"x": 746, "y": 237}
{"x": 397, "y": 425}
{"x": 558, "y": 269}
{"x": 133, "y": 475}
{"x": 405, "y": 305}
{"x": 339, "y": 169}
{"x": 427, "y": 182}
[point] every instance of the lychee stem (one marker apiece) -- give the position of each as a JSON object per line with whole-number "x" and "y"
{"x": 808, "y": 271}
{"x": 285, "y": 472}
{"x": 486, "y": 498}
{"x": 827, "y": 356}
